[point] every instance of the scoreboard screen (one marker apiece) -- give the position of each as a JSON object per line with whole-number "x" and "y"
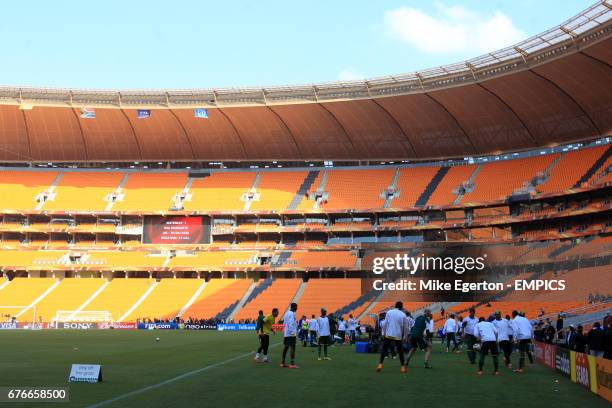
{"x": 174, "y": 230}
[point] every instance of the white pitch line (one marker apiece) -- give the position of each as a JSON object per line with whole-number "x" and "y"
{"x": 171, "y": 380}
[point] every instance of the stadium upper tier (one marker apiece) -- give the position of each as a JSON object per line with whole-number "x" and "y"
{"x": 549, "y": 89}
{"x": 312, "y": 190}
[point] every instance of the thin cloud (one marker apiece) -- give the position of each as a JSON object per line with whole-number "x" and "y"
{"x": 452, "y": 29}
{"x": 348, "y": 74}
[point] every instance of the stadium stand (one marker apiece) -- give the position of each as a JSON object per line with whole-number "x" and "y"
{"x": 331, "y": 294}
{"x": 345, "y": 191}
{"x": 277, "y": 189}
{"x": 150, "y": 192}
{"x": 278, "y": 294}
{"x": 220, "y": 191}
{"x": 411, "y": 185}
{"x": 24, "y": 190}
{"x": 496, "y": 181}
{"x": 166, "y": 300}
{"x": 444, "y": 193}
{"x": 67, "y": 296}
{"x": 119, "y": 296}
{"x": 23, "y": 292}
{"x": 218, "y": 295}
{"x": 572, "y": 166}
{"x": 83, "y": 191}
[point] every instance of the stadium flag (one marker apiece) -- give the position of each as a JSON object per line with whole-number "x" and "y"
{"x": 143, "y": 113}
{"x": 200, "y": 113}
{"x": 87, "y": 113}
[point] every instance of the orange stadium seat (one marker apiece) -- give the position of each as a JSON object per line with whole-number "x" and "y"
{"x": 277, "y": 189}
{"x": 220, "y": 192}
{"x": 497, "y": 180}
{"x": 570, "y": 168}
{"x": 119, "y": 296}
{"x": 83, "y": 191}
{"x": 331, "y": 294}
{"x": 20, "y": 188}
{"x": 150, "y": 191}
{"x": 67, "y": 296}
{"x": 443, "y": 194}
{"x": 347, "y": 191}
{"x": 411, "y": 185}
{"x": 278, "y": 295}
{"x": 22, "y": 292}
{"x": 166, "y": 300}
{"x": 218, "y": 295}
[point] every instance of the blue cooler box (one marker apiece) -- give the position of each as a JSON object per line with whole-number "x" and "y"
{"x": 361, "y": 347}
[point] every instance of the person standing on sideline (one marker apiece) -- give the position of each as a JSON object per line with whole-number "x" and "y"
{"x": 324, "y": 334}
{"x": 468, "y": 334}
{"x": 290, "y": 335}
{"x": 596, "y": 340}
{"x": 394, "y": 330}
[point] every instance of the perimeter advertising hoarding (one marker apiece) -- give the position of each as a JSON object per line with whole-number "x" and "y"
{"x": 176, "y": 230}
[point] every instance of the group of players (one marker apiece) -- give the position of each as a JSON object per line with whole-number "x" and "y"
{"x": 486, "y": 336}
{"x": 400, "y": 331}
{"x": 319, "y": 331}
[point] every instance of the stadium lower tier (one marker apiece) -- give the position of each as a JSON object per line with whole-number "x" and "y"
{"x": 240, "y": 299}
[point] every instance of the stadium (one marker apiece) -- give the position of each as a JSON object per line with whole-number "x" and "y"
{"x": 141, "y": 232}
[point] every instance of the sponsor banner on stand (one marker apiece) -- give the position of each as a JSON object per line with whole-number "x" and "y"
{"x": 235, "y": 327}
{"x": 158, "y": 326}
{"x": 117, "y": 326}
{"x": 8, "y": 326}
{"x": 603, "y": 369}
{"x": 545, "y": 354}
{"x": 204, "y": 326}
{"x": 562, "y": 361}
{"x": 77, "y": 325}
{"x": 580, "y": 372}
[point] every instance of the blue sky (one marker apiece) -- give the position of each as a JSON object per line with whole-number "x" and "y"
{"x": 201, "y": 44}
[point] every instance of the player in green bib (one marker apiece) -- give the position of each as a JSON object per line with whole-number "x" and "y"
{"x": 418, "y": 337}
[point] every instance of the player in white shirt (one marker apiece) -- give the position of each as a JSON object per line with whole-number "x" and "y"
{"x": 523, "y": 333}
{"x": 324, "y": 334}
{"x": 503, "y": 337}
{"x": 342, "y": 330}
{"x": 352, "y": 328}
{"x": 290, "y": 335}
{"x": 429, "y": 331}
{"x": 312, "y": 330}
{"x": 394, "y": 331}
{"x": 468, "y": 334}
{"x": 487, "y": 334}
{"x": 449, "y": 330}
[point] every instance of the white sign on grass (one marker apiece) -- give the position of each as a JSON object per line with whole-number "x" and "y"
{"x": 85, "y": 373}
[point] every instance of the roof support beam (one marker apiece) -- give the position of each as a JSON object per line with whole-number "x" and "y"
{"x": 469, "y": 139}
{"x": 496, "y": 96}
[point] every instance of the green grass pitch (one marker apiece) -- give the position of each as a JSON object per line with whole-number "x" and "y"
{"x": 226, "y": 376}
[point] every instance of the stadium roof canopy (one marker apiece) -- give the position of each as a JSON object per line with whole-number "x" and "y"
{"x": 555, "y": 87}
